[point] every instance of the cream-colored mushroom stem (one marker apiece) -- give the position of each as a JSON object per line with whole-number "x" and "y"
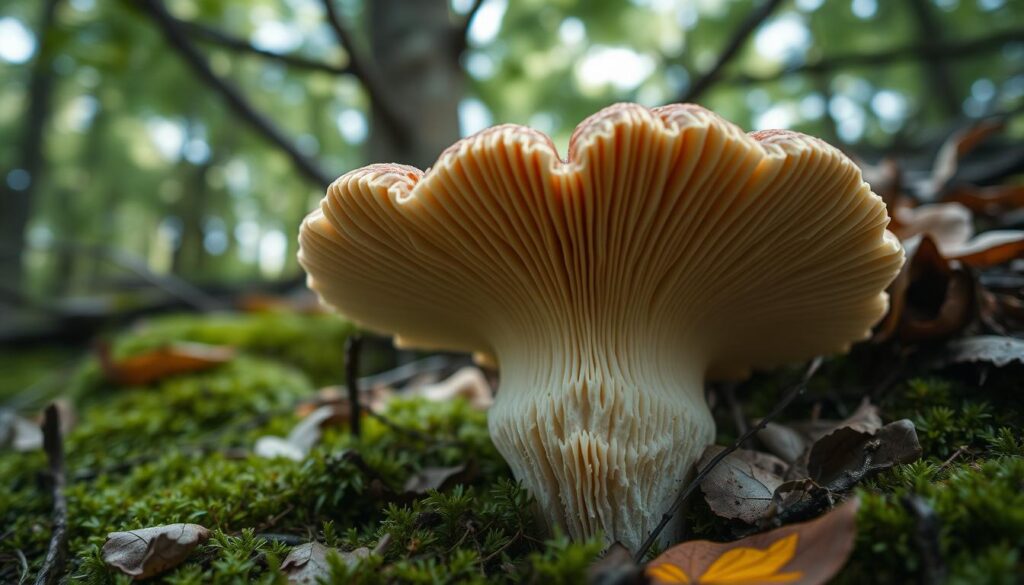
{"x": 602, "y": 435}
{"x": 668, "y": 247}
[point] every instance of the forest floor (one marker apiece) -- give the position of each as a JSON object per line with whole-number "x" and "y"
{"x": 423, "y": 488}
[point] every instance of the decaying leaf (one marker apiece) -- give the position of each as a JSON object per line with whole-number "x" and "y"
{"x": 307, "y": 563}
{"x": 18, "y": 433}
{"x": 741, "y": 486}
{"x": 993, "y": 349}
{"x": 300, "y": 441}
{"x": 931, "y": 298}
{"x": 956, "y": 147}
{"x": 469, "y": 383}
{"x": 150, "y": 551}
{"x": 991, "y": 201}
{"x": 948, "y": 224}
{"x": 810, "y": 553}
{"x": 433, "y": 478}
{"x": 615, "y": 567}
{"x": 841, "y": 459}
{"x": 170, "y": 360}
{"x": 785, "y": 442}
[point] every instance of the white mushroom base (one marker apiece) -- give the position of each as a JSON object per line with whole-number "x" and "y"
{"x": 602, "y": 454}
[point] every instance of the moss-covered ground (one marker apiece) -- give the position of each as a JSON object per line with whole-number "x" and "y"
{"x": 179, "y": 450}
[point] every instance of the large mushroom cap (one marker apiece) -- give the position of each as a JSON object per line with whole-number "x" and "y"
{"x": 763, "y": 248}
{"x": 668, "y": 247}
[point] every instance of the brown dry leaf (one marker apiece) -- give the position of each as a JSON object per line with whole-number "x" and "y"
{"x": 810, "y": 553}
{"x": 931, "y": 298}
{"x": 434, "y": 478}
{"x": 956, "y": 147}
{"x": 170, "y": 360}
{"x": 741, "y": 486}
{"x": 993, "y": 349}
{"x": 782, "y": 441}
{"x": 991, "y": 201}
{"x": 841, "y": 459}
{"x": 150, "y": 551}
{"x": 307, "y": 563}
{"x": 989, "y": 248}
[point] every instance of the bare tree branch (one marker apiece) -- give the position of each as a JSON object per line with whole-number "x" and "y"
{"x": 860, "y": 59}
{"x": 177, "y": 38}
{"x": 732, "y": 48}
{"x": 218, "y": 37}
{"x": 361, "y": 68}
{"x": 462, "y": 30}
{"x": 930, "y": 33}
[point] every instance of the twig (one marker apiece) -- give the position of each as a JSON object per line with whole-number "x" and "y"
{"x": 361, "y": 68}
{"x": 353, "y": 345}
{"x": 788, "y": 397}
{"x": 410, "y": 370}
{"x": 959, "y": 451}
{"x": 926, "y": 537}
{"x": 56, "y": 554}
{"x": 218, "y": 37}
{"x": 462, "y": 30}
{"x": 177, "y": 38}
{"x": 732, "y": 48}
{"x": 952, "y": 50}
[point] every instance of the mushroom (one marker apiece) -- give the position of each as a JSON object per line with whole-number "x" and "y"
{"x": 669, "y": 248}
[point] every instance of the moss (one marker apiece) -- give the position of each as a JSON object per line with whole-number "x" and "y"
{"x": 177, "y": 451}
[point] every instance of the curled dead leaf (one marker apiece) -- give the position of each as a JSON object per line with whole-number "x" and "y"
{"x": 841, "y": 459}
{"x": 810, "y": 553}
{"x": 931, "y": 298}
{"x": 147, "y": 552}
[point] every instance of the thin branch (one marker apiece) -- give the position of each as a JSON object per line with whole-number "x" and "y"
{"x": 788, "y": 397}
{"x": 930, "y": 33}
{"x": 362, "y": 69}
{"x": 953, "y": 50}
{"x": 56, "y": 554}
{"x": 732, "y": 48}
{"x": 218, "y": 37}
{"x": 353, "y": 345}
{"x": 176, "y": 37}
{"x": 461, "y": 32}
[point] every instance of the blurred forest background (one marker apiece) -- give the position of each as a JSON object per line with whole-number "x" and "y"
{"x": 163, "y": 152}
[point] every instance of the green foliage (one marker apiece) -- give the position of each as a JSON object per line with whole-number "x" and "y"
{"x": 178, "y": 451}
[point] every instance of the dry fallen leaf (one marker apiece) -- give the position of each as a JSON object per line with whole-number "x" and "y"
{"x": 956, "y": 147}
{"x": 170, "y": 360}
{"x": 841, "y": 459}
{"x": 469, "y": 383}
{"x": 741, "y": 486}
{"x": 433, "y": 478}
{"x": 991, "y": 201}
{"x": 931, "y": 298}
{"x": 18, "y": 433}
{"x": 996, "y": 350}
{"x": 307, "y": 563}
{"x": 150, "y": 551}
{"x": 785, "y": 442}
{"x": 810, "y": 553}
{"x": 300, "y": 441}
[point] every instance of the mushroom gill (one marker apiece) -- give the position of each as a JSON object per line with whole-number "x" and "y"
{"x": 669, "y": 248}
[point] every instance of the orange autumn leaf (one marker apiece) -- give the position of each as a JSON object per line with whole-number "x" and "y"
{"x": 163, "y": 362}
{"x": 808, "y": 553}
{"x": 741, "y": 566}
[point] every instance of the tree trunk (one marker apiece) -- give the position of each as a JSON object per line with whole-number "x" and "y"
{"x": 16, "y": 203}
{"x": 418, "y": 64}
